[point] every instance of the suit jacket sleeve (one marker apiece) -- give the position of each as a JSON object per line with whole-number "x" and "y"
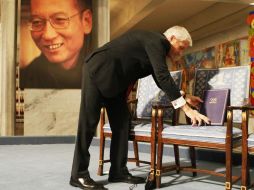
{"x": 157, "y": 55}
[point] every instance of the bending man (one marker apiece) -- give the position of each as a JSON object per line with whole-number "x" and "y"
{"x": 107, "y": 73}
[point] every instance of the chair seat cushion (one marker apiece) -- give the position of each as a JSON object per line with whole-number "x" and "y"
{"x": 251, "y": 140}
{"x": 142, "y": 129}
{"x": 212, "y": 134}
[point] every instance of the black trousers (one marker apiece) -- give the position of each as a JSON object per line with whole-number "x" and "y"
{"x": 119, "y": 119}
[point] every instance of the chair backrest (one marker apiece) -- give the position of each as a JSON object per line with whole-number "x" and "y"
{"x": 236, "y": 79}
{"x": 148, "y": 92}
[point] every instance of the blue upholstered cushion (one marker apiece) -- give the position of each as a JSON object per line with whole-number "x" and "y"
{"x": 213, "y": 134}
{"x": 140, "y": 129}
{"x": 251, "y": 140}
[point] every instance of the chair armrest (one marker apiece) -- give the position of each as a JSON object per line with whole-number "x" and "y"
{"x": 243, "y": 108}
{"x": 245, "y": 117}
{"x": 159, "y": 105}
{"x": 103, "y": 112}
{"x": 132, "y": 105}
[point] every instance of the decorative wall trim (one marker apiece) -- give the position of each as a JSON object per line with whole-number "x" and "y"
{"x": 35, "y": 140}
{"x": 7, "y": 67}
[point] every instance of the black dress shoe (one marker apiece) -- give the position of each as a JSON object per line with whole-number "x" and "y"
{"x": 126, "y": 178}
{"x": 86, "y": 183}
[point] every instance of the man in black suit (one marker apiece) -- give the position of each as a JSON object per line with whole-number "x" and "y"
{"x": 107, "y": 73}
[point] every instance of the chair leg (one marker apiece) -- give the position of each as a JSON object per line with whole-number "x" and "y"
{"x": 245, "y": 153}
{"x": 101, "y": 156}
{"x": 193, "y": 160}
{"x": 245, "y": 167}
{"x": 159, "y": 164}
{"x": 177, "y": 159}
{"x": 244, "y": 172}
{"x": 228, "y": 184}
{"x": 135, "y": 148}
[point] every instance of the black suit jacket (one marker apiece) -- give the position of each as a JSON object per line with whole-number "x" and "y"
{"x": 131, "y": 56}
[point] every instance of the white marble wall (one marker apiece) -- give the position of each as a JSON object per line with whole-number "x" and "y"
{"x": 51, "y": 112}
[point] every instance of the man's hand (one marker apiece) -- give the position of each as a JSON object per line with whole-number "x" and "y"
{"x": 195, "y": 116}
{"x": 193, "y": 100}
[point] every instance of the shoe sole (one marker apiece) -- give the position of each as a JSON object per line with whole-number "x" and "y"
{"x": 84, "y": 188}
{"x": 75, "y": 184}
{"x": 124, "y": 181}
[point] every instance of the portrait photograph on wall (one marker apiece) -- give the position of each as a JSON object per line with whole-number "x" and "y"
{"x": 55, "y": 36}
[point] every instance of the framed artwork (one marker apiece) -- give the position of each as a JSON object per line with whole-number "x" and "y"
{"x": 55, "y": 36}
{"x": 244, "y": 52}
{"x": 200, "y": 59}
{"x": 231, "y": 54}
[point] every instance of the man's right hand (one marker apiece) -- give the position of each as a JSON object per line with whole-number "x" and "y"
{"x": 194, "y": 101}
{"x": 195, "y": 116}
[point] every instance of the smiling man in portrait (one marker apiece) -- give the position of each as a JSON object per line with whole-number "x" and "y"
{"x": 60, "y": 29}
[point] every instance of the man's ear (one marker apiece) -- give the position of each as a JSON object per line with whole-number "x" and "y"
{"x": 172, "y": 38}
{"x": 87, "y": 21}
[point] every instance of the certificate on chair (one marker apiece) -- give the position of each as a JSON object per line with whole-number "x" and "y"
{"x": 214, "y": 105}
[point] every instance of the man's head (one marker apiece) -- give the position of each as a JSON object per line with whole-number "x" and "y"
{"x": 180, "y": 39}
{"x": 59, "y": 27}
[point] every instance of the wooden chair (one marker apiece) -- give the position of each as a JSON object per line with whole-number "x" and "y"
{"x": 143, "y": 122}
{"x": 247, "y": 144}
{"x": 212, "y": 137}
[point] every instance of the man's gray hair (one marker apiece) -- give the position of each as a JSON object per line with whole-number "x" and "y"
{"x": 180, "y": 33}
